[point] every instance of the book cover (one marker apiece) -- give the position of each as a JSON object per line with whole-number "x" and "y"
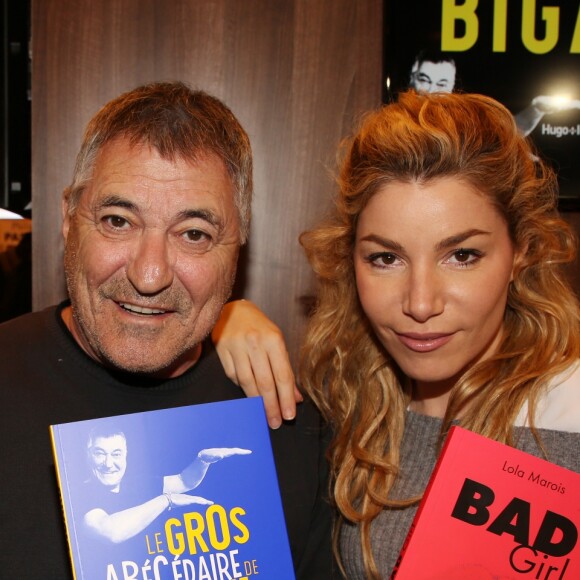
{"x": 493, "y": 512}
{"x": 188, "y": 493}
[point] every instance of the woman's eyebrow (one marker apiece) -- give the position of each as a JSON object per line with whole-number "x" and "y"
{"x": 381, "y": 241}
{"x": 459, "y": 238}
{"x": 448, "y": 242}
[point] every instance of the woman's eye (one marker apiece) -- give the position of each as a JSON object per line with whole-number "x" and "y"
{"x": 465, "y": 257}
{"x": 382, "y": 259}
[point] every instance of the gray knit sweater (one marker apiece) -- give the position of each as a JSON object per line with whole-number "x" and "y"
{"x": 418, "y": 457}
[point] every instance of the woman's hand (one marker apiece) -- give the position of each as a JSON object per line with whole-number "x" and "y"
{"x": 253, "y": 353}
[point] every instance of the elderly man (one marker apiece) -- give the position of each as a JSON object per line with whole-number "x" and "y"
{"x": 153, "y": 221}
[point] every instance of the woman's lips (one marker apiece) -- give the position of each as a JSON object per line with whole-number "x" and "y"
{"x": 424, "y": 342}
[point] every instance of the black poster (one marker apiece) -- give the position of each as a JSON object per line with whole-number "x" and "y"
{"x": 524, "y": 53}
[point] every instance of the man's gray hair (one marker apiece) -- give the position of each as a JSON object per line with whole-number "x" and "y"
{"x": 178, "y": 122}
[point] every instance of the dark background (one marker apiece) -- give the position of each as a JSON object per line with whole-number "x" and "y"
{"x": 15, "y": 191}
{"x": 513, "y": 77}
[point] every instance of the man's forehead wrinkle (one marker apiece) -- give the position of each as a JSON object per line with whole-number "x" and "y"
{"x": 153, "y": 179}
{"x": 192, "y": 156}
{"x": 165, "y": 148}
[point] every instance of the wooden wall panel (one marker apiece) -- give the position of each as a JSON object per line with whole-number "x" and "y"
{"x": 295, "y": 72}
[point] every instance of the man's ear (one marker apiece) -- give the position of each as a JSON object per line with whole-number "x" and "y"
{"x": 65, "y": 213}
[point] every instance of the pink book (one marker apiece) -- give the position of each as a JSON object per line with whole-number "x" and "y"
{"x": 493, "y": 512}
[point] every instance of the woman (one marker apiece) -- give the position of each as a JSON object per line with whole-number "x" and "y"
{"x": 441, "y": 300}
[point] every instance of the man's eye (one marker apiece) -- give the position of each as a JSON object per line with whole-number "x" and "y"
{"x": 195, "y": 236}
{"x": 116, "y": 222}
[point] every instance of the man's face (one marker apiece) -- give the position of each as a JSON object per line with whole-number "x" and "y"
{"x": 150, "y": 258}
{"x": 433, "y": 77}
{"x": 108, "y": 460}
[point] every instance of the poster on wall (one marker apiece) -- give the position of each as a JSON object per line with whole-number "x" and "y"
{"x": 524, "y": 53}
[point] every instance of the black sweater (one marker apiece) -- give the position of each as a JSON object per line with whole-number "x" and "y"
{"x": 45, "y": 378}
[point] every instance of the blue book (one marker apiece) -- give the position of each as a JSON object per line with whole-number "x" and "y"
{"x": 188, "y": 493}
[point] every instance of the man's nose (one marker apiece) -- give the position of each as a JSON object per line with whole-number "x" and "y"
{"x": 151, "y": 267}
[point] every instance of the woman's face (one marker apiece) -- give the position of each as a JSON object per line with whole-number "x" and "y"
{"x": 433, "y": 262}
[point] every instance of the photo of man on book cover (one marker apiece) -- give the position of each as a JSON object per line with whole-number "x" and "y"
{"x": 108, "y": 497}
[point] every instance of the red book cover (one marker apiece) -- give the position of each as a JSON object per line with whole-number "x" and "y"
{"x": 493, "y": 512}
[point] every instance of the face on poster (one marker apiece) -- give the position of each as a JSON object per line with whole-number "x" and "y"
{"x": 524, "y": 53}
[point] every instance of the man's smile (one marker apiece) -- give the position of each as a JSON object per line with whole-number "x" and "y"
{"x": 141, "y": 309}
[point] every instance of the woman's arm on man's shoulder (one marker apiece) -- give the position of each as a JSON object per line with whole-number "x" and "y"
{"x": 253, "y": 353}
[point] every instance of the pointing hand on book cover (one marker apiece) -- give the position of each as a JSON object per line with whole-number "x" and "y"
{"x": 194, "y": 473}
{"x": 219, "y": 453}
